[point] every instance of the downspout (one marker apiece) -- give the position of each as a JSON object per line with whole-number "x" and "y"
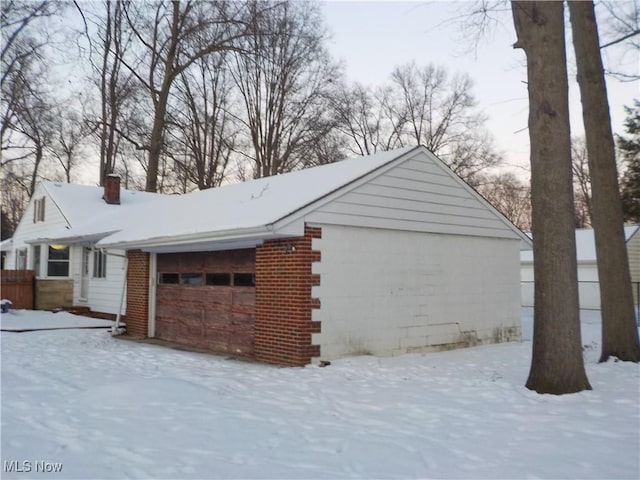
{"x": 116, "y": 329}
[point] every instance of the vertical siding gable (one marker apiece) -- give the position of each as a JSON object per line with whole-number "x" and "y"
{"x": 417, "y": 194}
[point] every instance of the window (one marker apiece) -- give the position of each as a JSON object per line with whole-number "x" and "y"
{"x": 99, "y": 264}
{"x": 169, "y": 278}
{"x": 36, "y": 259}
{"x": 210, "y": 279}
{"x": 220, "y": 279}
{"x": 244, "y": 280}
{"x": 21, "y": 259}
{"x": 191, "y": 279}
{"x": 38, "y": 210}
{"x": 58, "y": 262}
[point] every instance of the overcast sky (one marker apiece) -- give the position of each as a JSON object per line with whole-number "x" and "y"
{"x": 373, "y": 37}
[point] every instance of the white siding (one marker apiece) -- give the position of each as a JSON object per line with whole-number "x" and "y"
{"x": 417, "y": 195}
{"x": 27, "y": 229}
{"x": 388, "y": 292}
{"x": 104, "y": 293}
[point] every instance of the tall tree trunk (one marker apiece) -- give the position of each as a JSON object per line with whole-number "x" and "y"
{"x": 619, "y": 330}
{"x": 156, "y": 142}
{"x": 557, "y": 365}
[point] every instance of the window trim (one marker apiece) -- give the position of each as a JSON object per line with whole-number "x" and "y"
{"x": 38, "y": 209}
{"x": 21, "y": 258}
{"x": 99, "y": 264}
{"x": 36, "y": 259}
{"x": 57, "y": 261}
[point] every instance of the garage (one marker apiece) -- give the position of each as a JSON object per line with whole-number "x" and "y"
{"x": 207, "y": 300}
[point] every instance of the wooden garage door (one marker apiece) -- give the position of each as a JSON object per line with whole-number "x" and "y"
{"x": 207, "y": 300}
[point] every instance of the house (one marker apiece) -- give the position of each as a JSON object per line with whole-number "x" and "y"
{"x": 588, "y": 284}
{"x": 382, "y": 255}
{"x": 386, "y": 254}
{"x": 70, "y": 270}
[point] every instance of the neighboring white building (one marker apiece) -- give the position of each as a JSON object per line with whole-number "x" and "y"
{"x": 588, "y": 284}
{"x": 75, "y": 272}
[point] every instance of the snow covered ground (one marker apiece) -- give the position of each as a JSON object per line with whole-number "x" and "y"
{"x": 21, "y": 320}
{"x": 110, "y": 408}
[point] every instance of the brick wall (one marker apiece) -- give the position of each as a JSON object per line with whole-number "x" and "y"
{"x": 138, "y": 293}
{"x": 283, "y": 325}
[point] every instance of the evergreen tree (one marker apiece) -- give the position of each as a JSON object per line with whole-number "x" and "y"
{"x": 629, "y": 147}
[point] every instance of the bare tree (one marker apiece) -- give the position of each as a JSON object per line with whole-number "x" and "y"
{"x": 283, "y": 76}
{"x": 204, "y": 126}
{"x": 362, "y": 116}
{"x": 582, "y": 182}
{"x": 175, "y": 35}
{"x": 511, "y": 196}
{"x": 439, "y": 112}
{"x": 31, "y": 122}
{"x": 419, "y": 106}
{"x": 17, "y": 19}
{"x": 620, "y": 37}
{"x": 69, "y": 133}
{"x": 118, "y": 92}
{"x": 557, "y": 365}
{"x": 619, "y": 330}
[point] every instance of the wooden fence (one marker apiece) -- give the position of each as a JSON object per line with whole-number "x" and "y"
{"x": 18, "y": 286}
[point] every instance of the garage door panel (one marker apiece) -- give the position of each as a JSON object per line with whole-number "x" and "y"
{"x": 219, "y": 295}
{"x": 167, "y": 294}
{"x": 166, "y": 328}
{"x": 215, "y": 317}
{"x": 243, "y": 320}
{"x": 244, "y": 296}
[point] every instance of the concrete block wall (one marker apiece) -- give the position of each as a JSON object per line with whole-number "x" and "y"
{"x": 386, "y": 292}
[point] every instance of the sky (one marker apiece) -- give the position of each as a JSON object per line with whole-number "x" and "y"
{"x": 371, "y": 38}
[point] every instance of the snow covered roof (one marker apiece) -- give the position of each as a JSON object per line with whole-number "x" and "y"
{"x": 81, "y": 202}
{"x": 232, "y": 216}
{"x": 585, "y": 244}
{"x": 6, "y": 245}
{"x": 251, "y": 207}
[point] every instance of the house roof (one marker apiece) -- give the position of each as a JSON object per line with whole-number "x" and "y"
{"x": 86, "y": 213}
{"x": 6, "y": 245}
{"x": 80, "y": 202}
{"x": 252, "y": 206}
{"x": 241, "y": 212}
{"x": 585, "y": 244}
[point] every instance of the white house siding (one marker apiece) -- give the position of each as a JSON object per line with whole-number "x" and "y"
{"x": 388, "y": 292}
{"x": 419, "y": 195}
{"x": 27, "y": 229}
{"x": 104, "y": 293}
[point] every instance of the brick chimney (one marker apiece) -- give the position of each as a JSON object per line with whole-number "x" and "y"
{"x": 112, "y": 189}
